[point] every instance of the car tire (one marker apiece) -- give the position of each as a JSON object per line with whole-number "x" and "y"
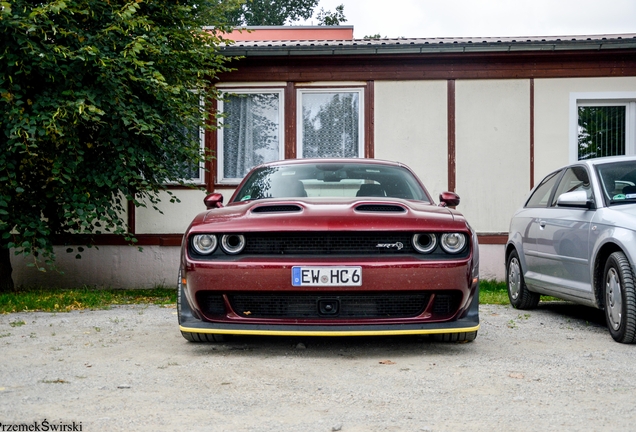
{"x": 619, "y": 294}
{"x": 518, "y": 294}
{"x": 203, "y": 337}
{"x": 455, "y": 337}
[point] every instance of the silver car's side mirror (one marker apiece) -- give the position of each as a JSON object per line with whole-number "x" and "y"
{"x": 575, "y": 199}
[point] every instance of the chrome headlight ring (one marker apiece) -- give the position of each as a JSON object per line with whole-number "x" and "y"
{"x": 453, "y": 243}
{"x": 232, "y": 244}
{"x": 424, "y": 243}
{"x": 204, "y": 244}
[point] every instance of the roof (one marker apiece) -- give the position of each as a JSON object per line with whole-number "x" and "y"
{"x": 430, "y": 45}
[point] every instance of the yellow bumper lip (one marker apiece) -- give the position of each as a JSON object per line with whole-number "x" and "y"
{"x": 329, "y": 333}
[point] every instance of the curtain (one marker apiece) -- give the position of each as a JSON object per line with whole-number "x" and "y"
{"x": 251, "y": 132}
{"x": 330, "y": 124}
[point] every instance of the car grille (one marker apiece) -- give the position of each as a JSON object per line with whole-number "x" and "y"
{"x": 347, "y": 306}
{"x": 327, "y": 243}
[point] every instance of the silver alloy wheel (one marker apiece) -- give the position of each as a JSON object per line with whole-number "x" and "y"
{"x": 514, "y": 278}
{"x": 613, "y": 299}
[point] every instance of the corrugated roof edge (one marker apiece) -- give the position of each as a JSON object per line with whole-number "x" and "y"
{"x": 431, "y": 45}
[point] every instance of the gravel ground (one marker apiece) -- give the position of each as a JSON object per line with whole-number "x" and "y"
{"x": 128, "y": 368}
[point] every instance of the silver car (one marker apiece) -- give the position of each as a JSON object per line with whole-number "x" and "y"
{"x": 575, "y": 239}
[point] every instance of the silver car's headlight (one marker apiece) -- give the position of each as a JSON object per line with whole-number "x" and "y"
{"x": 453, "y": 243}
{"x": 424, "y": 243}
{"x": 232, "y": 243}
{"x": 204, "y": 244}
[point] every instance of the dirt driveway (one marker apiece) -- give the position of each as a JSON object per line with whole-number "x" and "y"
{"x": 128, "y": 368}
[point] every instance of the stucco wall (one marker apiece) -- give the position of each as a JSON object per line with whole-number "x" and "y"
{"x": 492, "y": 150}
{"x": 176, "y": 216}
{"x": 552, "y": 116}
{"x": 108, "y": 267}
{"x": 411, "y": 127}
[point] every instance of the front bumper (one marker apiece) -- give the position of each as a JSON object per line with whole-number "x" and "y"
{"x": 468, "y": 322}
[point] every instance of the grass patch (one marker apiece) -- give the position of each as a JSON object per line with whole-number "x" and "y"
{"x": 493, "y": 292}
{"x": 66, "y": 300}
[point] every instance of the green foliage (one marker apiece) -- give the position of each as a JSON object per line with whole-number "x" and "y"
{"x": 271, "y": 12}
{"x": 281, "y": 12}
{"x": 96, "y": 98}
{"x": 329, "y": 18}
{"x": 493, "y": 292}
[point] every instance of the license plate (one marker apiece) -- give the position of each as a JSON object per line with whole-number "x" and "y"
{"x": 326, "y": 276}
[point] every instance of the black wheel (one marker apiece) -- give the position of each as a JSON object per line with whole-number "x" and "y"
{"x": 620, "y": 298}
{"x": 455, "y": 337}
{"x": 203, "y": 337}
{"x": 518, "y": 293}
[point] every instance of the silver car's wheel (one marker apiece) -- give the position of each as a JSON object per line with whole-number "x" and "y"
{"x": 613, "y": 299}
{"x": 514, "y": 278}
{"x": 518, "y": 293}
{"x": 620, "y": 298}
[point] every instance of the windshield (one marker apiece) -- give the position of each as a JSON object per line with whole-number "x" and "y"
{"x": 618, "y": 182}
{"x": 331, "y": 180}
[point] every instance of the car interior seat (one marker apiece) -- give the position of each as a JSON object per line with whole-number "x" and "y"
{"x": 289, "y": 189}
{"x": 371, "y": 190}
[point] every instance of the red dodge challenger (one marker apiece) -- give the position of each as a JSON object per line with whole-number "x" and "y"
{"x": 329, "y": 247}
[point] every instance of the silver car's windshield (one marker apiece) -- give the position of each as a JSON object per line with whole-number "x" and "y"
{"x": 618, "y": 182}
{"x": 331, "y": 180}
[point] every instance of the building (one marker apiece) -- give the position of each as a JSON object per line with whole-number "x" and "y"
{"x": 484, "y": 117}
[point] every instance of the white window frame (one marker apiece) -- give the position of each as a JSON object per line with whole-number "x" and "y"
{"x": 626, "y": 99}
{"x": 221, "y": 179}
{"x": 299, "y": 114}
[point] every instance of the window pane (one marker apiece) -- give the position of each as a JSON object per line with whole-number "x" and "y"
{"x": 574, "y": 179}
{"x": 330, "y": 124}
{"x": 541, "y": 195}
{"x": 601, "y": 131}
{"x": 251, "y": 132}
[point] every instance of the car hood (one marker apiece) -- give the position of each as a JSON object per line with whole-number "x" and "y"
{"x": 329, "y": 214}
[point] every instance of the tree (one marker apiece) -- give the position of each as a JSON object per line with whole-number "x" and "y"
{"x": 328, "y": 18}
{"x": 96, "y": 101}
{"x": 281, "y": 12}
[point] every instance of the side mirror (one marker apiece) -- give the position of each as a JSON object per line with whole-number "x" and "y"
{"x": 577, "y": 199}
{"x": 212, "y": 201}
{"x": 448, "y": 199}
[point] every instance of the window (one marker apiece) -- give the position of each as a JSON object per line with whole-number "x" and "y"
{"x": 192, "y": 172}
{"x": 252, "y": 131}
{"x": 602, "y": 124}
{"x": 330, "y": 123}
{"x": 541, "y": 195}
{"x": 574, "y": 179}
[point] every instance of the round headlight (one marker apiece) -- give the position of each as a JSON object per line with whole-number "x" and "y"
{"x": 204, "y": 244}
{"x": 453, "y": 242}
{"x": 232, "y": 243}
{"x": 424, "y": 243}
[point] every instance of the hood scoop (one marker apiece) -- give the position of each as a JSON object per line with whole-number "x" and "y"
{"x": 382, "y": 208}
{"x": 277, "y": 209}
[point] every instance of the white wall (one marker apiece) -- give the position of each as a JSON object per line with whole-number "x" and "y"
{"x": 176, "y": 216}
{"x": 107, "y": 267}
{"x": 552, "y": 116}
{"x": 492, "y": 150}
{"x": 411, "y": 127}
